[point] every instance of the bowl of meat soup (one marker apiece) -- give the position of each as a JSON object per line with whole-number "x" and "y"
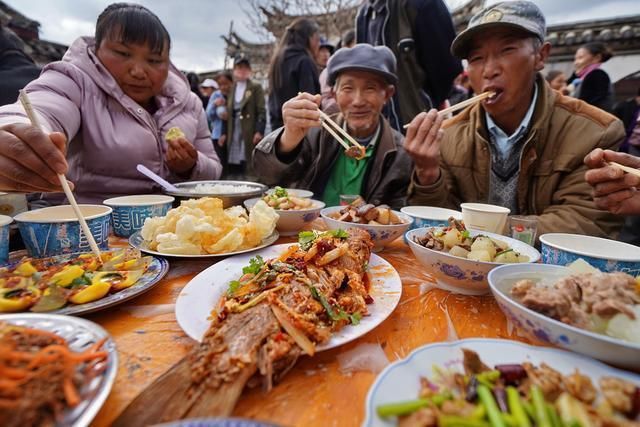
{"x": 457, "y": 273}
{"x": 56, "y": 230}
{"x": 525, "y": 310}
{"x": 604, "y": 254}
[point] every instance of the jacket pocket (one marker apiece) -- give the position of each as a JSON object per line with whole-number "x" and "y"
{"x": 547, "y": 176}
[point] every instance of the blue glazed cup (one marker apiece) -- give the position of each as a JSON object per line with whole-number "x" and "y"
{"x": 55, "y": 230}
{"x": 5, "y": 223}
{"x": 130, "y": 212}
{"x": 604, "y": 254}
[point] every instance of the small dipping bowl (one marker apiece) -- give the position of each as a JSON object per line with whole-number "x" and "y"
{"x": 56, "y": 230}
{"x": 130, "y": 212}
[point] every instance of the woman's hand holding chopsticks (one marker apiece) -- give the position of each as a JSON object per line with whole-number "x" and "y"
{"x": 30, "y": 160}
{"x": 299, "y": 114}
{"x": 422, "y": 143}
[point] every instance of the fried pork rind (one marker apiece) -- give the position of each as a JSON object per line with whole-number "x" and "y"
{"x": 174, "y": 133}
{"x": 202, "y": 226}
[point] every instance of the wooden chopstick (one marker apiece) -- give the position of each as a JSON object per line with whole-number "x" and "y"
{"x": 24, "y": 99}
{"x": 627, "y": 169}
{"x": 461, "y": 105}
{"x": 335, "y": 135}
{"x": 327, "y": 119}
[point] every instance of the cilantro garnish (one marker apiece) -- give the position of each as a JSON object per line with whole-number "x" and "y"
{"x": 466, "y": 234}
{"x": 335, "y": 313}
{"x": 355, "y": 318}
{"x": 280, "y": 192}
{"x": 255, "y": 265}
{"x": 306, "y": 238}
{"x": 234, "y": 285}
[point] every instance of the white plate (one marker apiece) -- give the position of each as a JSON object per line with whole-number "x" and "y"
{"x": 80, "y": 334}
{"x": 401, "y": 380}
{"x": 202, "y": 293}
{"x": 138, "y": 242}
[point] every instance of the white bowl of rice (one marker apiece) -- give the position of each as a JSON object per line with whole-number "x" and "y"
{"x": 231, "y": 193}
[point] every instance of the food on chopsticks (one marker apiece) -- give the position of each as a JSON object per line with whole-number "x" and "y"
{"x": 606, "y": 303}
{"x": 174, "y": 133}
{"x": 352, "y": 147}
{"x": 519, "y": 395}
{"x": 360, "y": 212}
{"x": 203, "y": 226}
{"x": 462, "y": 105}
{"x": 41, "y": 377}
{"x": 456, "y": 240}
{"x": 280, "y": 199}
{"x": 48, "y": 284}
{"x": 276, "y": 310}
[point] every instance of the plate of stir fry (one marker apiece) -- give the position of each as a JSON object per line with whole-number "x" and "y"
{"x": 501, "y": 383}
{"x": 325, "y": 291}
{"x": 77, "y": 283}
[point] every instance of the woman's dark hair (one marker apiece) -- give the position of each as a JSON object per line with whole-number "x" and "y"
{"x": 551, "y": 75}
{"x": 132, "y": 24}
{"x": 298, "y": 34}
{"x": 227, "y": 74}
{"x": 597, "y": 48}
{"x": 194, "y": 81}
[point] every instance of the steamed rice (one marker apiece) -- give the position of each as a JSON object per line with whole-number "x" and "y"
{"x": 221, "y": 189}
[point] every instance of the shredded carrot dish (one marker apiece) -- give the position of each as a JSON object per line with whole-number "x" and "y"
{"x": 40, "y": 376}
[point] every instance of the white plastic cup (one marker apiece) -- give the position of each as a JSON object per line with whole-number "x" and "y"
{"x": 484, "y": 217}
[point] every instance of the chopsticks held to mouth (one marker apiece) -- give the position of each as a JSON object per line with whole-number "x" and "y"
{"x": 462, "y": 105}
{"x": 354, "y": 150}
{"x": 26, "y": 104}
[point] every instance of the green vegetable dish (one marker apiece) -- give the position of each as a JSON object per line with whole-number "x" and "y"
{"x": 516, "y": 395}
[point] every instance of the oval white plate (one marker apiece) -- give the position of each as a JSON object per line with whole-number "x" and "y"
{"x": 401, "y": 380}
{"x": 80, "y": 334}
{"x": 199, "y": 297}
{"x": 138, "y": 242}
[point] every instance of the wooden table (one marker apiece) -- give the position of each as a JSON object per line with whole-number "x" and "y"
{"x": 315, "y": 392}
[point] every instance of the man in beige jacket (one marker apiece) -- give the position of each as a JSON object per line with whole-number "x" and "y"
{"x": 523, "y": 148}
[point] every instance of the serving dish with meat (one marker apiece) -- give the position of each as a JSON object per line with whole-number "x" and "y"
{"x": 255, "y": 318}
{"x": 499, "y": 383}
{"x": 594, "y": 313}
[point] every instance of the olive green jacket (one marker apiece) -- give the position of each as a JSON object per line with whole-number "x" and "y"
{"x": 551, "y": 182}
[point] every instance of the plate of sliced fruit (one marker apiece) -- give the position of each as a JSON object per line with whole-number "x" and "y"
{"x": 77, "y": 283}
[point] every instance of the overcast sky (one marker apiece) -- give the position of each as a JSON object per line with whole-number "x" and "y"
{"x": 196, "y": 25}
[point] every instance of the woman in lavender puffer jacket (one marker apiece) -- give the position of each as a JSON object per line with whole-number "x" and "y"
{"x": 113, "y": 98}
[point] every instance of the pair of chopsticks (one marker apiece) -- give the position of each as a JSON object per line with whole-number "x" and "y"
{"x": 28, "y": 108}
{"x": 461, "y": 105}
{"x": 327, "y": 123}
{"x": 627, "y": 169}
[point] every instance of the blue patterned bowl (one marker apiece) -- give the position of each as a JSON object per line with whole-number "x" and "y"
{"x": 461, "y": 275}
{"x": 5, "y": 222}
{"x": 430, "y": 216}
{"x": 604, "y": 254}
{"x": 216, "y": 422}
{"x": 129, "y": 212}
{"x": 291, "y": 222}
{"x": 381, "y": 235}
{"x": 611, "y": 350}
{"x": 56, "y": 230}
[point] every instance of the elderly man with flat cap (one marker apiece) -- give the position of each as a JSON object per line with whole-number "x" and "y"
{"x": 305, "y": 155}
{"x": 524, "y": 147}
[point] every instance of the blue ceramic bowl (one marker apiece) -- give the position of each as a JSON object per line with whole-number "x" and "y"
{"x": 604, "y": 254}
{"x": 430, "y": 216}
{"x": 5, "y": 222}
{"x": 130, "y": 212}
{"x": 56, "y": 230}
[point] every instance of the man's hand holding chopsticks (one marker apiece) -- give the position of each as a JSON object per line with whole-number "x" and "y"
{"x": 299, "y": 114}
{"x": 613, "y": 189}
{"x": 30, "y": 160}
{"x": 422, "y": 143}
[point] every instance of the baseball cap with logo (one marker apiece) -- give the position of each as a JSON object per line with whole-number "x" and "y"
{"x": 522, "y": 15}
